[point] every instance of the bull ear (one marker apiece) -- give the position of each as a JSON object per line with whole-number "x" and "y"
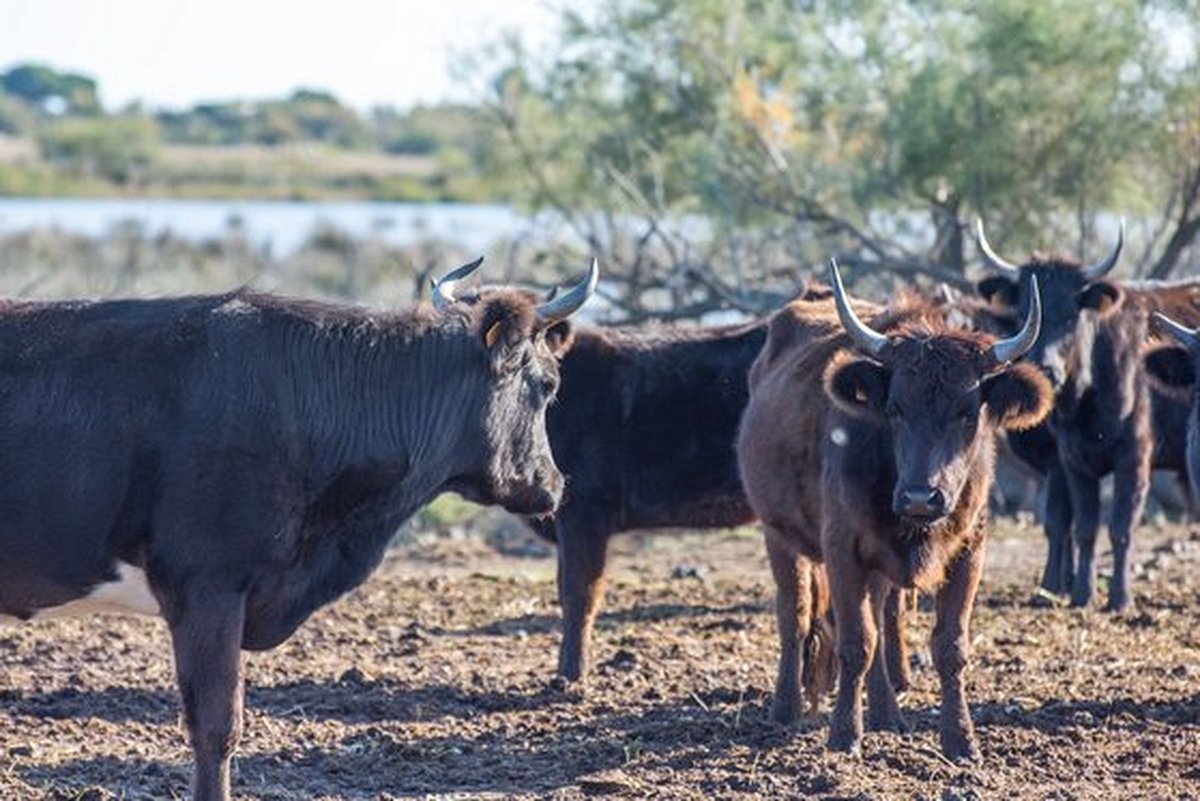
{"x": 560, "y": 337}
{"x": 1018, "y": 398}
{"x": 1171, "y": 371}
{"x": 858, "y": 386}
{"x": 997, "y": 289}
{"x": 1101, "y": 296}
{"x": 503, "y": 322}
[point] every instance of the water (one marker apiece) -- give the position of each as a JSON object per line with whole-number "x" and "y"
{"x": 280, "y": 226}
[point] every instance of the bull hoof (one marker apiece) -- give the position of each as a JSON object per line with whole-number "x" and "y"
{"x": 960, "y": 748}
{"x": 1117, "y": 603}
{"x": 887, "y": 721}
{"x": 846, "y": 741}
{"x": 785, "y": 711}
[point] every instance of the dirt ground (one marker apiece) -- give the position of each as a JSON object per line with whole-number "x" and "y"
{"x": 433, "y": 680}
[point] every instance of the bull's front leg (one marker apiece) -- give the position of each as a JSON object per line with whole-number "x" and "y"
{"x": 1131, "y": 485}
{"x": 1056, "y": 517}
{"x": 1085, "y": 509}
{"x": 582, "y": 556}
{"x": 206, "y": 634}
{"x": 883, "y": 713}
{"x": 856, "y": 638}
{"x": 894, "y": 638}
{"x": 793, "y": 599}
{"x": 951, "y": 652}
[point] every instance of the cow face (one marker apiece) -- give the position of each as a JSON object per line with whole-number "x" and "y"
{"x": 522, "y": 342}
{"x": 940, "y": 393}
{"x": 1073, "y": 297}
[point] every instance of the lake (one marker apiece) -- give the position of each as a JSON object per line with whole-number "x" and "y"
{"x": 280, "y": 226}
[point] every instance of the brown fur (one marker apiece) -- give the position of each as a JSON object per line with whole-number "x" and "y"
{"x": 815, "y": 470}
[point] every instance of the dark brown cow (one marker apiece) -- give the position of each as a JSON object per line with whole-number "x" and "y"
{"x": 1173, "y": 370}
{"x": 233, "y": 462}
{"x": 870, "y": 448}
{"x": 1105, "y": 419}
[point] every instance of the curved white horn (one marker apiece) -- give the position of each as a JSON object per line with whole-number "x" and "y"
{"x": 868, "y": 340}
{"x": 1007, "y": 350}
{"x": 1188, "y": 337}
{"x": 1097, "y": 270}
{"x": 990, "y": 256}
{"x": 568, "y": 303}
{"x": 443, "y": 289}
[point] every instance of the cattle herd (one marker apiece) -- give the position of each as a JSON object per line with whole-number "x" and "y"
{"x": 233, "y": 462}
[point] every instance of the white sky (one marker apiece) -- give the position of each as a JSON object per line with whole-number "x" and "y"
{"x": 172, "y": 53}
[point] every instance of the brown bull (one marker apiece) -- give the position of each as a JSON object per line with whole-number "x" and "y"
{"x": 870, "y": 448}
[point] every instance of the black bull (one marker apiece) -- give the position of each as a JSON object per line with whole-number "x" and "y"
{"x": 240, "y": 460}
{"x": 1106, "y": 419}
{"x": 643, "y": 429}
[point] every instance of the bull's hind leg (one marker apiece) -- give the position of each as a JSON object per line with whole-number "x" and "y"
{"x": 883, "y": 713}
{"x": 206, "y": 633}
{"x": 582, "y": 554}
{"x": 793, "y": 599}
{"x": 951, "y": 652}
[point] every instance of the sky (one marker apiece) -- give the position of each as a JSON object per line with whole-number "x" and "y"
{"x": 174, "y": 53}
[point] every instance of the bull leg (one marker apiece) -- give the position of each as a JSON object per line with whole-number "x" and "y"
{"x": 1131, "y": 485}
{"x": 856, "y": 638}
{"x": 582, "y": 555}
{"x": 1060, "y": 552}
{"x": 793, "y": 599}
{"x": 206, "y": 636}
{"x": 951, "y": 652}
{"x": 895, "y": 645}
{"x": 1085, "y": 510}
{"x": 883, "y": 713}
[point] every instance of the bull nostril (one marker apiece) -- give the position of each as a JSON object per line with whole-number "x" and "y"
{"x": 920, "y": 502}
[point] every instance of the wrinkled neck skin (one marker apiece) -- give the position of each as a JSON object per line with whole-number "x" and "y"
{"x": 412, "y": 404}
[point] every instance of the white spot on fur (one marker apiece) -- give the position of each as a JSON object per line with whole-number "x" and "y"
{"x": 839, "y": 437}
{"x": 130, "y": 593}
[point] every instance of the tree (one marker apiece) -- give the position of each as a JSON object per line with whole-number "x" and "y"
{"x": 39, "y": 85}
{"x": 711, "y": 147}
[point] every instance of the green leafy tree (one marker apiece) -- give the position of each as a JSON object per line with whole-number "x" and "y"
{"x": 711, "y": 147}
{"x": 38, "y": 85}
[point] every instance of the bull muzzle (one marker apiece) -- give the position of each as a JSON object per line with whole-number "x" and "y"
{"x": 920, "y": 503}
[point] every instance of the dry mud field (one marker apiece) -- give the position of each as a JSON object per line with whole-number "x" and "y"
{"x": 433, "y": 680}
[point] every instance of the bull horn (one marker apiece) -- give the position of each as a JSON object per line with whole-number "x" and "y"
{"x": 1100, "y": 268}
{"x": 869, "y": 341}
{"x": 443, "y": 289}
{"x": 990, "y": 256}
{"x": 1188, "y": 337}
{"x": 566, "y": 304}
{"x": 1013, "y": 348}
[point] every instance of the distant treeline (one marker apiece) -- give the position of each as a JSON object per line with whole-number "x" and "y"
{"x": 431, "y": 152}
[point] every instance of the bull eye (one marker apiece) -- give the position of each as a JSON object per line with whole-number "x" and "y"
{"x": 860, "y": 395}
